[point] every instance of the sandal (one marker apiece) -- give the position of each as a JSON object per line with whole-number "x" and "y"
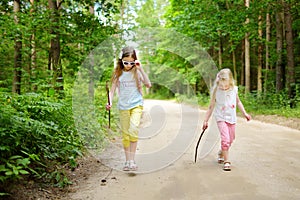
{"x": 132, "y": 165}
{"x": 227, "y": 166}
{"x": 220, "y": 158}
{"x": 126, "y": 166}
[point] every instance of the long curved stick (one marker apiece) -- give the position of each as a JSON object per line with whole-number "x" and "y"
{"x": 198, "y": 145}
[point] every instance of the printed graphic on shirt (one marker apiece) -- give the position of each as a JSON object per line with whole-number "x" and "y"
{"x": 129, "y": 94}
{"x": 128, "y": 84}
{"x": 226, "y": 105}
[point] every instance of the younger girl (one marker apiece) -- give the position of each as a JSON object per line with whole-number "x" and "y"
{"x": 127, "y": 77}
{"x": 225, "y": 99}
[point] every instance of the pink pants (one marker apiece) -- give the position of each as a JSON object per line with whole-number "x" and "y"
{"x": 227, "y": 132}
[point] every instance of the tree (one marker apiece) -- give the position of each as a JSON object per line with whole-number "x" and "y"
{"x": 18, "y": 52}
{"x": 247, "y": 54}
{"x": 260, "y": 55}
{"x": 54, "y": 61}
{"x": 279, "y": 50}
{"x": 267, "y": 47}
{"x": 148, "y": 15}
{"x": 290, "y": 50}
{"x": 33, "y": 58}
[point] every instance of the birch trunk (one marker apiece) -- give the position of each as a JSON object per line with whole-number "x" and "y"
{"x": 247, "y": 55}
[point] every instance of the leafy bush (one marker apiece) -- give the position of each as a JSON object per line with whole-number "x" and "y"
{"x": 271, "y": 103}
{"x": 36, "y": 132}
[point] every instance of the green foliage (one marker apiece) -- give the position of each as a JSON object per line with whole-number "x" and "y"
{"x": 35, "y": 132}
{"x": 263, "y": 104}
{"x": 271, "y": 103}
{"x": 88, "y": 116}
{"x": 14, "y": 167}
{"x": 216, "y": 24}
{"x": 79, "y": 32}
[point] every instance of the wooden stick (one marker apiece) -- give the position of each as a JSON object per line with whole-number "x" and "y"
{"x": 198, "y": 145}
{"x": 108, "y": 101}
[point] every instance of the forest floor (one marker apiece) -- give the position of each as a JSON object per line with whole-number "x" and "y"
{"x": 93, "y": 180}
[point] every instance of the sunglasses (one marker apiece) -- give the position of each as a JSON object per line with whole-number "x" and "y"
{"x": 128, "y": 63}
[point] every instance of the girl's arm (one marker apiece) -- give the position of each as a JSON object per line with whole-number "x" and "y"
{"x": 111, "y": 95}
{"x": 208, "y": 113}
{"x": 144, "y": 76}
{"x": 242, "y": 109}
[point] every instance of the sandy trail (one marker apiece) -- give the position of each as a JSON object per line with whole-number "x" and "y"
{"x": 265, "y": 162}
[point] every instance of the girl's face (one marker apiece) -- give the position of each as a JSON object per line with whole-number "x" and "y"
{"x": 224, "y": 84}
{"x": 128, "y": 63}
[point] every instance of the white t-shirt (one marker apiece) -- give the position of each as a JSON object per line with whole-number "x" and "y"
{"x": 225, "y": 109}
{"x": 129, "y": 94}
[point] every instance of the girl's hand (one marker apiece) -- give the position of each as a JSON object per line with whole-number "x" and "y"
{"x": 108, "y": 107}
{"x": 248, "y": 117}
{"x": 137, "y": 64}
{"x": 205, "y": 125}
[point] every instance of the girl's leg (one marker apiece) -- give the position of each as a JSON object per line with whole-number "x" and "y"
{"x": 127, "y": 153}
{"x": 231, "y": 133}
{"x": 225, "y": 139}
{"x": 133, "y": 146}
{"x": 225, "y": 154}
{"x": 227, "y": 136}
{"x": 135, "y": 118}
{"x": 124, "y": 125}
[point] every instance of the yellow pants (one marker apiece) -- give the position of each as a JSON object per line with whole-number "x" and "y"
{"x": 129, "y": 122}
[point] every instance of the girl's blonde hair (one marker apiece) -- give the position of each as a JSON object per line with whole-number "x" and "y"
{"x": 223, "y": 74}
{"x": 126, "y": 52}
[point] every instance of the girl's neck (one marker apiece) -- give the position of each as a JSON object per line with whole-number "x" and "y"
{"x": 127, "y": 70}
{"x": 224, "y": 87}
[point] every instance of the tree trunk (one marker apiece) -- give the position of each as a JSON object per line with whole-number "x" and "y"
{"x": 54, "y": 62}
{"x": 268, "y": 36}
{"x": 32, "y": 64}
{"x": 220, "y": 52}
{"x": 247, "y": 55}
{"x": 279, "y": 47}
{"x": 18, "y": 53}
{"x": 243, "y": 64}
{"x": 260, "y": 57}
{"x": 291, "y": 81}
{"x": 234, "y": 65}
{"x": 91, "y": 66}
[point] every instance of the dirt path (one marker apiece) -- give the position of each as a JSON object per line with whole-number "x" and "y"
{"x": 265, "y": 162}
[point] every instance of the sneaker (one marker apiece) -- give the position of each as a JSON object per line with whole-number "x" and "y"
{"x": 132, "y": 165}
{"x": 126, "y": 166}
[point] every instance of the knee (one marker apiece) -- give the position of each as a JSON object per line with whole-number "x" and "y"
{"x": 225, "y": 145}
{"x": 126, "y": 140}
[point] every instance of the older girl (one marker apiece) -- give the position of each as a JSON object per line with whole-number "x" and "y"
{"x": 128, "y": 78}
